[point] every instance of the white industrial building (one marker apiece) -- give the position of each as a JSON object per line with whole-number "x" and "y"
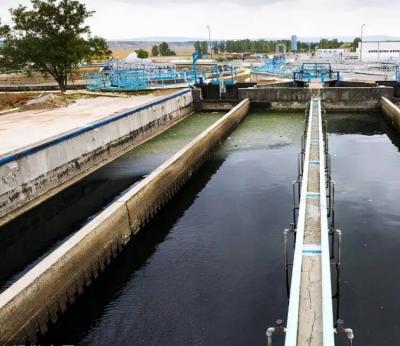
{"x": 329, "y": 53}
{"x": 379, "y": 51}
{"x": 336, "y": 54}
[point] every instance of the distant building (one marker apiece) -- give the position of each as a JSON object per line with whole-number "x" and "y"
{"x": 293, "y": 43}
{"x": 375, "y": 51}
{"x": 330, "y": 53}
{"x": 350, "y": 56}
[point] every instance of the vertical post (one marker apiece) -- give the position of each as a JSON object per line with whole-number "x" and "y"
{"x": 285, "y": 240}
{"x": 361, "y": 46}
{"x": 209, "y": 39}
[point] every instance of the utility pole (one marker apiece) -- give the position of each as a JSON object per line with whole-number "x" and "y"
{"x": 361, "y": 46}
{"x": 209, "y": 39}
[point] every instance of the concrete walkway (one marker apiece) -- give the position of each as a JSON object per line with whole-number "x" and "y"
{"x": 310, "y": 318}
{"x": 23, "y": 129}
{"x": 310, "y": 310}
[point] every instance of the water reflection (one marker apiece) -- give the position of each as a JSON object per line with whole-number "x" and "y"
{"x": 218, "y": 261}
{"x": 365, "y": 163}
{"x": 39, "y": 231}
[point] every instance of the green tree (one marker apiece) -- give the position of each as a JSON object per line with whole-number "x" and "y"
{"x": 164, "y": 49}
{"x": 355, "y": 43}
{"x": 155, "y": 51}
{"x": 99, "y": 48}
{"x": 51, "y": 38}
{"x": 329, "y": 44}
{"x": 197, "y": 46}
{"x": 204, "y": 47}
{"x": 142, "y": 54}
{"x": 215, "y": 47}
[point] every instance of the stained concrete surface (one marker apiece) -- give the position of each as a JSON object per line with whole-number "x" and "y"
{"x": 21, "y": 129}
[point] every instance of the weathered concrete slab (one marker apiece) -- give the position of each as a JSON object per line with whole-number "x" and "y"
{"x": 26, "y": 129}
{"x": 310, "y": 322}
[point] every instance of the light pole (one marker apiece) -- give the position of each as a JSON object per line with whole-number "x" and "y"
{"x": 209, "y": 39}
{"x": 361, "y": 46}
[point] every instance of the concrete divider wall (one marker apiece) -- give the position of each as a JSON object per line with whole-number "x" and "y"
{"x": 277, "y": 97}
{"x": 392, "y": 112}
{"x": 366, "y": 98}
{"x": 35, "y": 173}
{"x": 47, "y": 289}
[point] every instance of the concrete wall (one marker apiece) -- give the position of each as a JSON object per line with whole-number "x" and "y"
{"x": 45, "y": 291}
{"x": 35, "y": 173}
{"x": 394, "y": 84}
{"x": 350, "y": 84}
{"x": 392, "y": 112}
{"x": 277, "y": 97}
{"x": 367, "y": 98}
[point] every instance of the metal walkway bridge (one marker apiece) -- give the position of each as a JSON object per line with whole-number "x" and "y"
{"x": 310, "y": 314}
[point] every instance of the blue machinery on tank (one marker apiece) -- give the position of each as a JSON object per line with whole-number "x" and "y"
{"x": 121, "y": 76}
{"x": 221, "y": 75}
{"x": 316, "y": 71}
{"x": 307, "y": 72}
{"x": 275, "y": 66}
{"x": 335, "y": 234}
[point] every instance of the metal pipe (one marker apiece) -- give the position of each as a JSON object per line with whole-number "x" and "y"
{"x": 278, "y": 329}
{"x": 340, "y": 329}
{"x": 209, "y": 39}
{"x": 339, "y": 248}
{"x": 270, "y": 332}
{"x": 285, "y": 241}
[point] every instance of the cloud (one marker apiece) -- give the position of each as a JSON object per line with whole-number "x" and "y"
{"x": 120, "y": 19}
{"x": 197, "y": 2}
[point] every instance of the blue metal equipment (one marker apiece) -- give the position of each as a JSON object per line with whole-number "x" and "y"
{"x": 316, "y": 71}
{"x": 120, "y": 76}
{"x": 195, "y": 57}
{"x": 276, "y": 66}
{"x": 225, "y": 72}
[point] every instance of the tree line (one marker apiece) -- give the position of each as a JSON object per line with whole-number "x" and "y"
{"x": 162, "y": 49}
{"x": 268, "y": 46}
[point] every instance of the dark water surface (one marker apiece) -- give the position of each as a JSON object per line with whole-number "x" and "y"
{"x": 30, "y": 237}
{"x": 209, "y": 269}
{"x": 366, "y": 168}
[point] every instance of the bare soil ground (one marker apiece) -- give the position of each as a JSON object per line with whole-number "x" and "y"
{"x": 47, "y": 100}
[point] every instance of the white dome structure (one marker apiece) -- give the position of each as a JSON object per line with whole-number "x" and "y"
{"x": 132, "y": 58}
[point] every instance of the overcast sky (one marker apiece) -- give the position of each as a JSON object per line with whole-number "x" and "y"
{"x": 123, "y": 19}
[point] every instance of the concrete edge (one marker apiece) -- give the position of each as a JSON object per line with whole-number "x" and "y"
{"x": 391, "y": 111}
